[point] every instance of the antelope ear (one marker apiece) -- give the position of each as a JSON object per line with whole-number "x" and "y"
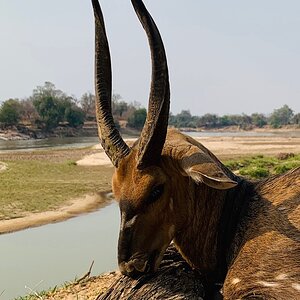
{"x": 202, "y": 169}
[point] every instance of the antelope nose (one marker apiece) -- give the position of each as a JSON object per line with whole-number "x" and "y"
{"x": 133, "y": 268}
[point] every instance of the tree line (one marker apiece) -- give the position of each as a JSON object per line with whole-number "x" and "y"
{"x": 48, "y": 107}
{"x": 278, "y": 118}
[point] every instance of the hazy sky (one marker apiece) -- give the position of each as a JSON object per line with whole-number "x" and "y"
{"x": 229, "y": 56}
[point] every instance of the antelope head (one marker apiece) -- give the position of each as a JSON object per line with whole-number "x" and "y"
{"x": 138, "y": 180}
{"x": 141, "y": 181}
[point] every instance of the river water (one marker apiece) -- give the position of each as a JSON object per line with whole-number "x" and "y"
{"x": 55, "y": 142}
{"x": 76, "y": 142}
{"x": 43, "y": 257}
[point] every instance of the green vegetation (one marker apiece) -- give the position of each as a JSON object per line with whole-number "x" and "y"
{"x": 37, "y": 295}
{"x": 48, "y": 107}
{"x": 44, "y": 181}
{"x": 260, "y": 166}
{"x": 53, "y": 106}
{"x": 10, "y": 112}
{"x": 138, "y": 118}
{"x": 279, "y": 117}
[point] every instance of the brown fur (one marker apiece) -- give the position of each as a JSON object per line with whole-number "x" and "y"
{"x": 267, "y": 263}
{"x": 247, "y": 235}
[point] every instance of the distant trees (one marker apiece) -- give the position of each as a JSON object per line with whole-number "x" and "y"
{"x": 28, "y": 112}
{"x": 296, "y": 119}
{"x": 208, "y": 121}
{"x": 281, "y": 116}
{"x": 10, "y": 112}
{"x": 259, "y": 120}
{"x": 74, "y": 115}
{"x": 87, "y": 103}
{"x": 138, "y": 118}
{"x": 46, "y": 108}
{"x": 54, "y": 106}
{"x": 49, "y": 107}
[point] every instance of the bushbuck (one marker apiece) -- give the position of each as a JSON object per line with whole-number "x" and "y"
{"x": 171, "y": 188}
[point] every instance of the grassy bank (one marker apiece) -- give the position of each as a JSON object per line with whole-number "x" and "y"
{"x": 260, "y": 166}
{"x": 45, "y": 180}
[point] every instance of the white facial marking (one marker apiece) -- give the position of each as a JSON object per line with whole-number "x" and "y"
{"x": 235, "y": 280}
{"x": 131, "y": 222}
{"x": 281, "y": 277}
{"x": 122, "y": 221}
{"x": 296, "y": 286}
{"x": 268, "y": 284}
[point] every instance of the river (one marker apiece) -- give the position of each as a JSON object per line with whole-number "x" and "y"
{"x": 43, "y": 257}
{"x": 77, "y": 142}
{"x": 55, "y": 143}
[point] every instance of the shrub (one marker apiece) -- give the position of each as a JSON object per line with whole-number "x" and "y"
{"x": 138, "y": 118}
{"x": 10, "y": 112}
{"x": 255, "y": 172}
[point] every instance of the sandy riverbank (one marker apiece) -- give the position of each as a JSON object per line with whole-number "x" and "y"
{"x": 224, "y": 147}
{"x": 72, "y": 209}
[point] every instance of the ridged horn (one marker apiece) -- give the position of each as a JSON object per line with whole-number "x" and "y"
{"x": 155, "y": 129}
{"x": 110, "y": 138}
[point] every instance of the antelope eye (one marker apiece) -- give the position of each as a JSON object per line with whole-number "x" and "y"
{"x": 155, "y": 193}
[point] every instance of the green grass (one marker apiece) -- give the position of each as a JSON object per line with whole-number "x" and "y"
{"x": 51, "y": 292}
{"x": 40, "y": 185}
{"x": 260, "y": 166}
{"x": 39, "y": 295}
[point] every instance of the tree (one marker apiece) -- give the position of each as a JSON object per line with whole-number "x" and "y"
{"x": 138, "y": 118}
{"x": 226, "y": 120}
{"x": 115, "y": 100}
{"x": 120, "y": 108}
{"x": 10, "y": 112}
{"x": 208, "y": 120}
{"x": 259, "y": 120}
{"x": 87, "y": 103}
{"x": 47, "y": 90}
{"x": 183, "y": 119}
{"x": 281, "y": 116}
{"x": 74, "y": 116}
{"x": 296, "y": 119}
{"x": 49, "y": 112}
{"x": 131, "y": 108}
{"x": 53, "y": 106}
{"x": 28, "y": 112}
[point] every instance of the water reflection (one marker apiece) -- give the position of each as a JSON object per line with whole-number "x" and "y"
{"x": 55, "y": 142}
{"x": 51, "y": 255}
